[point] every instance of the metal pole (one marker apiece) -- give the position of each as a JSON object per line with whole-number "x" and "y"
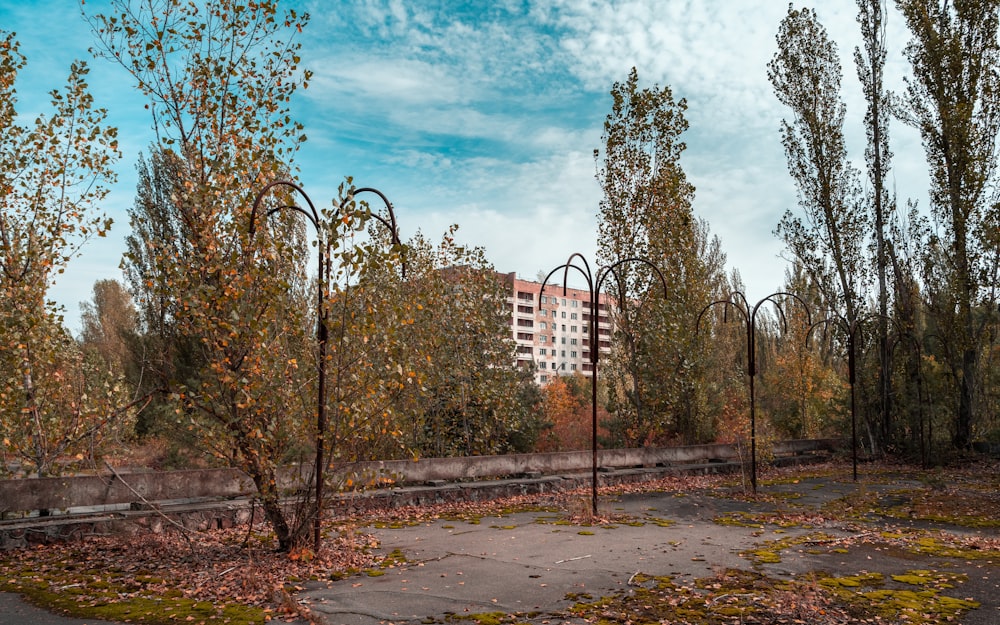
{"x": 594, "y": 346}
{"x": 322, "y": 336}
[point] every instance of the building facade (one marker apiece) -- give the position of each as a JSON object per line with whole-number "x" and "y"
{"x": 553, "y": 329}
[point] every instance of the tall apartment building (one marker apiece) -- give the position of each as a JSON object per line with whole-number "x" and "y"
{"x": 552, "y": 329}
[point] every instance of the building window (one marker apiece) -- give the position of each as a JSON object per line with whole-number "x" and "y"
{"x": 564, "y": 327}
{"x": 541, "y": 351}
{"x": 572, "y": 354}
{"x": 564, "y": 354}
{"x": 545, "y": 378}
{"x": 572, "y": 328}
{"x": 572, "y": 367}
{"x": 545, "y": 299}
{"x": 564, "y": 302}
{"x": 543, "y": 325}
{"x": 543, "y": 312}
{"x": 572, "y": 341}
{"x": 572, "y": 315}
{"x": 563, "y": 341}
{"x": 575, "y": 304}
{"x": 541, "y": 365}
{"x": 586, "y": 329}
{"x": 564, "y": 314}
{"x": 541, "y": 338}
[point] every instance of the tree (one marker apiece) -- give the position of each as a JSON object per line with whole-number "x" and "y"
{"x": 567, "y": 407}
{"x": 800, "y": 386}
{"x": 219, "y": 78}
{"x": 53, "y": 175}
{"x": 646, "y": 213}
{"x": 829, "y": 241}
{"x": 881, "y": 204}
{"x": 108, "y": 322}
{"x": 468, "y": 397}
{"x": 953, "y": 99}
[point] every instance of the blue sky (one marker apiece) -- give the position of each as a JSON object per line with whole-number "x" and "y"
{"x": 486, "y": 114}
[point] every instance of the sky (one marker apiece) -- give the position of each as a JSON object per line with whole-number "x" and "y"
{"x": 486, "y": 114}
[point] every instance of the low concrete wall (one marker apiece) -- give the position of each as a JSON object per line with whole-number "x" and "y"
{"x": 202, "y": 516}
{"x": 479, "y": 467}
{"x": 61, "y": 493}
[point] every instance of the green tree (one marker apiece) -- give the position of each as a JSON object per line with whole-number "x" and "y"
{"x": 468, "y": 397}
{"x": 646, "y": 213}
{"x": 881, "y": 205}
{"x": 54, "y": 174}
{"x": 219, "y": 78}
{"x": 829, "y": 239}
{"x": 953, "y": 99}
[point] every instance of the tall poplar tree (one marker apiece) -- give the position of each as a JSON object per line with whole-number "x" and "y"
{"x": 953, "y": 99}
{"x": 646, "y": 213}
{"x": 870, "y": 64}
{"x": 829, "y": 237}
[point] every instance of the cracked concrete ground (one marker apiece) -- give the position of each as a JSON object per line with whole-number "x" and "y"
{"x": 533, "y": 565}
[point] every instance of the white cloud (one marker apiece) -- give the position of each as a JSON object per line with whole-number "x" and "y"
{"x": 403, "y": 82}
{"x": 486, "y": 115}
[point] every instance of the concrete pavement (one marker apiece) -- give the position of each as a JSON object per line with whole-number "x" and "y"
{"x": 535, "y": 564}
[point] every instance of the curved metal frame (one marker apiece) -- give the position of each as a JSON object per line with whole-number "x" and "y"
{"x": 750, "y": 320}
{"x": 322, "y": 330}
{"x": 594, "y": 285}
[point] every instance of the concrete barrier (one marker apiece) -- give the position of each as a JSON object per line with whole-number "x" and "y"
{"x": 19, "y": 497}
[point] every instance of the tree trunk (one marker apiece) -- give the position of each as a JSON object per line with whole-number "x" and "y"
{"x": 966, "y": 408}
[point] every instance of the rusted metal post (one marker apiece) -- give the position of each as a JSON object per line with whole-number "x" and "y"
{"x": 738, "y": 301}
{"x": 594, "y": 285}
{"x": 322, "y": 329}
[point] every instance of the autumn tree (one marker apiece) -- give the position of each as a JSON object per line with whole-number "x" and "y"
{"x": 219, "y": 78}
{"x": 108, "y": 321}
{"x": 469, "y": 397}
{"x": 802, "y": 388}
{"x": 54, "y": 174}
{"x": 880, "y": 203}
{"x": 646, "y": 213}
{"x": 566, "y": 404}
{"x": 953, "y": 99}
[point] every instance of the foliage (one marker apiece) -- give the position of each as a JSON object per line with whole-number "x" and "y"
{"x": 646, "y": 214}
{"x": 880, "y": 203}
{"x": 108, "y": 321}
{"x": 953, "y": 99}
{"x": 53, "y": 175}
{"x": 566, "y": 405}
{"x": 469, "y": 396}
{"x": 802, "y": 390}
{"x": 219, "y": 79}
{"x": 829, "y": 242}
